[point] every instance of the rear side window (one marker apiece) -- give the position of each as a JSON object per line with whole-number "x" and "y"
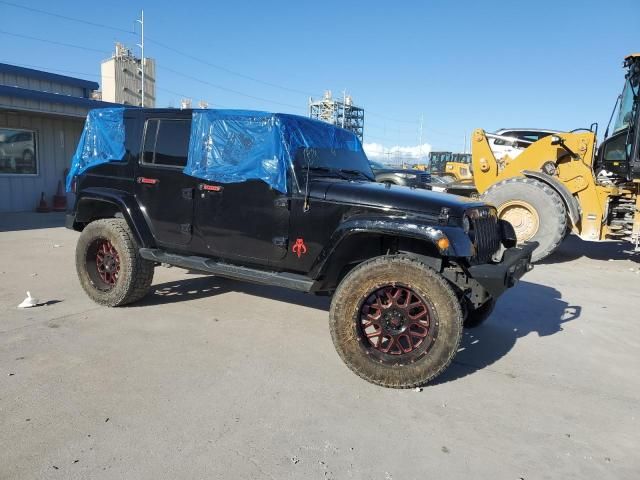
{"x": 166, "y": 142}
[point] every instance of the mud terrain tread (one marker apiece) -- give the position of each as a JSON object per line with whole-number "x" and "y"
{"x": 136, "y": 273}
{"x": 403, "y": 268}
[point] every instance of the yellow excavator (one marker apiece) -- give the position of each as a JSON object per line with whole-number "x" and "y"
{"x": 565, "y": 183}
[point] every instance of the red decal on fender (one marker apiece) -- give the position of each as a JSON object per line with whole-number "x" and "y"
{"x": 212, "y": 188}
{"x": 299, "y": 248}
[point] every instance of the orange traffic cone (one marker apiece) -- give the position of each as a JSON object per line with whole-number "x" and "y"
{"x": 59, "y": 199}
{"x": 42, "y": 206}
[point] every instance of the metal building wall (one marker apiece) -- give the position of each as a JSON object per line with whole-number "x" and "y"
{"x": 56, "y": 139}
{"x": 23, "y": 81}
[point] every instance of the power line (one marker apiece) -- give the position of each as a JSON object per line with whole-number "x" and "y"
{"x": 225, "y": 69}
{"x": 205, "y": 82}
{"x": 179, "y": 52}
{"x": 53, "y": 42}
{"x": 64, "y": 17}
{"x": 185, "y": 54}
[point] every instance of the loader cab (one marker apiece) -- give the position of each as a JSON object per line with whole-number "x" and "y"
{"x": 619, "y": 152}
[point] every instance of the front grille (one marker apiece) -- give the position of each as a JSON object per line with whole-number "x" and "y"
{"x": 484, "y": 233}
{"x": 425, "y": 177}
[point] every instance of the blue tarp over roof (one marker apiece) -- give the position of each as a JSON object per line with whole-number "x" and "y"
{"x": 229, "y": 146}
{"x": 225, "y": 146}
{"x": 102, "y": 141}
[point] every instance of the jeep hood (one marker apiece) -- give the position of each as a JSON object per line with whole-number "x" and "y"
{"x": 378, "y": 195}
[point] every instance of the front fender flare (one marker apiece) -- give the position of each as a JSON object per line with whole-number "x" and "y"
{"x": 459, "y": 243}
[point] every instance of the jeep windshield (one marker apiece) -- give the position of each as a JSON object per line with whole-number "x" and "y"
{"x": 334, "y": 162}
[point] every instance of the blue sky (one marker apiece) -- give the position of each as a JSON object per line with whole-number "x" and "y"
{"x": 462, "y": 65}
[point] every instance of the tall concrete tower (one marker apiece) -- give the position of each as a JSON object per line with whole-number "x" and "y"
{"x": 122, "y": 79}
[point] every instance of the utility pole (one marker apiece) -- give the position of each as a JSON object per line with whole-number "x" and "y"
{"x": 464, "y": 149}
{"x": 141, "y": 45}
{"x": 420, "y": 138}
{"x": 344, "y": 105}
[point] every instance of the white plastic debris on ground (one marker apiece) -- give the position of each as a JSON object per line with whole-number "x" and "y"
{"x": 28, "y": 302}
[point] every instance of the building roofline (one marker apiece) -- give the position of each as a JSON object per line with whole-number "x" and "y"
{"x": 25, "y": 93}
{"x": 50, "y": 77}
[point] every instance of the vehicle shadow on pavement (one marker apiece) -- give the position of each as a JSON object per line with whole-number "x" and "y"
{"x": 208, "y": 286}
{"x": 574, "y": 247}
{"x": 528, "y": 308}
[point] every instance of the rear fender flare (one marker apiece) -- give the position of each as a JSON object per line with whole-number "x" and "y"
{"x": 124, "y": 203}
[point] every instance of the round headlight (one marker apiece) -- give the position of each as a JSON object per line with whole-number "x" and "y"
{"x": 466, "y": 224}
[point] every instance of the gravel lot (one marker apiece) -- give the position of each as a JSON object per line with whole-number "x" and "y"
{"x": 211, "y": 378}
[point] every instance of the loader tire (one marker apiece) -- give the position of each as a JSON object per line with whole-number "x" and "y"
{"x": 395, "y": 322}
{"x": 535, "y": 210}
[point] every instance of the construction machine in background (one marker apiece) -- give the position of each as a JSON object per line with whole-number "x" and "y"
{"x": 457, "y": 166}
{"x": 565, "y": 183}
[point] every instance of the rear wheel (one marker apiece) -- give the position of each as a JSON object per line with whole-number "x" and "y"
{"x": 109, "y": 266}
{"x": 395, "y": 322}
{"x": 535, "y": 210}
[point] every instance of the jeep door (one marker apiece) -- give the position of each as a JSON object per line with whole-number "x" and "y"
{"x": 246, "y": 221}
{"x": 163, "y": 191}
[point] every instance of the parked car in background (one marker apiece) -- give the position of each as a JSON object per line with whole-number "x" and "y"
{"x": 464, "y": 188}
{"x": 17, "y": 152}
{"x": 401, "y": 176}
{"x": 439, "y": 183}
{"x": 514, "y": 140}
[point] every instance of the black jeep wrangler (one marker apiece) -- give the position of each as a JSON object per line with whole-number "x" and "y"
{"x": 284, "y": 200}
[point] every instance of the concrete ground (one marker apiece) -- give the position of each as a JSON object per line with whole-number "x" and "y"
{"x": 211, "y": 378}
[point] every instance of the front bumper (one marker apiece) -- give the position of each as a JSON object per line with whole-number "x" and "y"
{"x": 496, "y": 278}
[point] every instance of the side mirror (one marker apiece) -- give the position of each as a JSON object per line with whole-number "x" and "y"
{"x": 556, "y": 140}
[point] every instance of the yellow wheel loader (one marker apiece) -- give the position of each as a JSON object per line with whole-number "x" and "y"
{"x": 458, "y": 170}
{"x": 454, "y": 165}
{"x": 564, "y": 183}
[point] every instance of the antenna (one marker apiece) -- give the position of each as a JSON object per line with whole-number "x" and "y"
{"x": 141, "y": 45}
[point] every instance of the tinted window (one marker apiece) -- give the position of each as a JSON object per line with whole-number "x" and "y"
{"x": 167, "y": 142}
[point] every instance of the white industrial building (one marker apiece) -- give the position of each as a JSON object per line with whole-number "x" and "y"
{"x": 122, "y": 79}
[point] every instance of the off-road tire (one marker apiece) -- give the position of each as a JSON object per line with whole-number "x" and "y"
{"x": 344, "y": 318}
{"x": 135, "y": 275}
{"x": 476, "y": 317}
{"x": 549, "y": 206}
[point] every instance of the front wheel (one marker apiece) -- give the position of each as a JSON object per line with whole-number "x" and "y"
{"x": 395, "y": 322}
{"x": 109, "y": 267}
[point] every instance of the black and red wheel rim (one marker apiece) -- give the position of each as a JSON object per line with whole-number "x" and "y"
{"x": 103, "y": 264}
{"x": 396, "y": 325}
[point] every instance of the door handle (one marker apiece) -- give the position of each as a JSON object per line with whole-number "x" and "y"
{"x": 147, "y": 181}
{"x": 209, "y": 188}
